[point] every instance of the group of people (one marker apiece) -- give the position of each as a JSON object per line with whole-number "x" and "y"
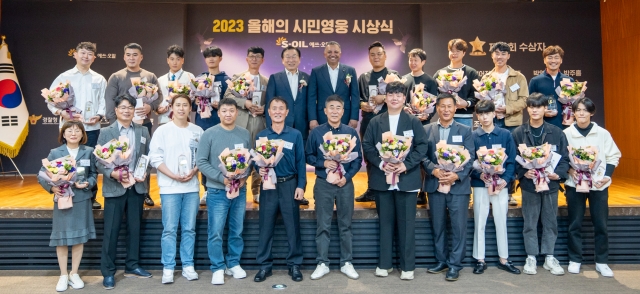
{"x": 299, "y": 109}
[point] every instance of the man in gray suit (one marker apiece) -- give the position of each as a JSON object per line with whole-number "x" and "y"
{"x": 457, "y": 200}
{"x": 250, "y": 115}
{"x": 118, "y": 200}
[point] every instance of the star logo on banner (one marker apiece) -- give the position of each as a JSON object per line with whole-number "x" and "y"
{"x": 279, "y": 41}
{"x": 71, "y": 51}
{"x": 477, "y": 47}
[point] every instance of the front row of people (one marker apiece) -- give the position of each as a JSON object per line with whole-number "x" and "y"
{"x": 395, "y": 203}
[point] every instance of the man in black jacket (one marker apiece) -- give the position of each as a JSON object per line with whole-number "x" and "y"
{"x": 541, "y": 205}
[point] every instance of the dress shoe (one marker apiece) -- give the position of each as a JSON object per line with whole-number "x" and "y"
{"x": 256, "y": 198}
{"x": 366, "y": 197}
{"x": 148, "y": 201}
{"x": 262, "y": 275}
{"x": 95, "y": 204}
{"x": 508, "y": 267}
{"x": 452, "y": 275}
{"x": 441, "y": 267}
{"x": 137, "y": 273}
{"x": 480, "y": 267}
{"x": 422, "y": 198}
{"x": 304, "y": 201}
{"x": 295, "y": 273}
{"x": 109, "y": 282}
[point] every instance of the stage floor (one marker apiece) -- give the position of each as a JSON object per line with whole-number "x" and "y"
{"x": 28, "y": 194}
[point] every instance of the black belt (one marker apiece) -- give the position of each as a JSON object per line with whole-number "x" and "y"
{"x": 284, "y": 179}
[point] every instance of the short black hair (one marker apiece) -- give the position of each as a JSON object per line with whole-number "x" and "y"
{"x": 290, "y": 48}
{"x": 227, "y": 101}
{"x": 175, "y": 49}
{"x": 278, "y": 98}
{"x": 212, "y": 51}
{"x": 334, "y": 97}
{"x": 396, "y": 87}
{"x": 537, "y": 100}
{"x": 500, "y": 46}
{"x": 133, "y": 46}
{"x": 417, "y": 52}
{"x": 255, "y": 50}
{"x": 124, "y": 97}
{"x": 588, "y": 104}
{"x": 376, "y": 44}
{"x": 183, "y": 96}
{"x": 87, "y": 46}
{"x": 445, "y": 95}
{"x": 484, "y": 106}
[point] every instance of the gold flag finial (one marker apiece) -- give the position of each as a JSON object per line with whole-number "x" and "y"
{"x": 3, "y": 37}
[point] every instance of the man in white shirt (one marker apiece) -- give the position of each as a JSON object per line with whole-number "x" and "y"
{"x": 175, "y": 60}
{"x": 88, "y": 87}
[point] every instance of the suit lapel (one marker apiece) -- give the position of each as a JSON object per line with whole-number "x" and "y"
{"x": 384, "y": 121}
{"x": 81, "y": 151}
{"x": 403, "y": 123}
{"x": 342, "y": 74}
{"x": 453, "y": 132}
{"x": 138, "y": 134}
{"x": 63, "y": 151}
{"x": 436, "y": 131}
{"x": 324, "y": 71}
{"x": 284, "y": 80}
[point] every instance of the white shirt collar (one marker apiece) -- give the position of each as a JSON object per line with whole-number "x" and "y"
{"x": 439, "y": 124}
{"x": 120, "y": 126}
{"x": 178, "y": 73}
{"x": 76, "y": 70}
{"x": 331, "y": 69}
{"x": 291, "y": 74}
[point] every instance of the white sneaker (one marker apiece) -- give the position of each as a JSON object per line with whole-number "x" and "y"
{"x": 406, "y": 275}
{"x": 167, "y": 276}
{"x": 574, "y": 267}
{"x": 203, "y": 200}
{"x": 383, "y": 272}
{"x": 75, "y": 282}
{"x": 256, "y": 198}
{"x": 218, "y": 277}
{"x": 320, "y": 271}
{"x": 189, "y": 273}
{"x": 237, "y": 272}
{"x": 530, "y": 266}
{"x": 551, "y": 264}
{"x": 604, "y": 270}
{"x": 348, "y": 270}
{"x": 63, "y": 282}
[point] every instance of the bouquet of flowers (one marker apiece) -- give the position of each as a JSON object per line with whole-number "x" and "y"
{"x": 267, "y": 154}
{"x": 234, "y": 165}
{"x": 568, "y": 92}
{"x": 422, "y": 102}
{"x": 451, "y": 82}
{"x": 141, "y": 89}
{"x": 585, "y": 161}
{"x": 174, "y": 88}
{"x": 491, "y": 164}
{"x": 536, "y": 158}
{"x": 338, "y": 148}
{"x": 117, "y": 154}
{"x": 62, "y": 97}
{"x": 60, "y": 173}
{"x": 393, "y": 149}
{"x": 491, "y": 88}
{"x": 242, "y": 87}
{"x": 203, "y": 92}
{"x": 451, "y": 158}
{"x": 382, "y": 90}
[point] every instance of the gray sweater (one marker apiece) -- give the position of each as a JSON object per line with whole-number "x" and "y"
{"x": 119, "y": 83}
{"x": 213, "y": 141}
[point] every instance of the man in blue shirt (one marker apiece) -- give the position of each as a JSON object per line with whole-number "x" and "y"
{"x": 292, "y": 178}
{"x": 494, "y": 138}
{"x": 340, "y": 192}
{"x": 547, "y": 82}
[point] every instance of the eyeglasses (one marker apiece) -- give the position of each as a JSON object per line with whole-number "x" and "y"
{"x": 254, "y": 57}
{"x": 123, "y": 108}
{"x": 290, "y": 56}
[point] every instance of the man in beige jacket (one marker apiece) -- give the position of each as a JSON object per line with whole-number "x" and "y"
{"x": 515, "y": 98}
{"x": 251, "y": 113}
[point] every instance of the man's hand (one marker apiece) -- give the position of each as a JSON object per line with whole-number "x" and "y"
{"x": 399, "y": 167}
{"x": 257, "y": 110}
{"x": 366, "y": 107}
{"x": 141, "y": 180}
{"x": 56, "y": 190}
{"x": 501, "y": 109}
{"x": 341, "y": 182}
{"x": 461, "y": 103}
{"x": 553, "y": 176}
{"x": 573, "y": 174}
{"x": 486, "y": 178}
{"x": 263, "y": 171}
{"x": 313, "y": 124}
{"x": 353, "y": 123}
{"x": 81, "y": 185}
{"x": 599, "y": 184}
{"x": 299, "y": 194}
{"x": 530, "y": 174}
{"x": 388, "y": 168}
{"x": 550, "y": 113}
{"x": 379, "y": 99}
{"x": 116, "y": 175}
{"x": 248, "y": 105}
{"x": 448, "y": 178}
{"x": 501, "y": 184}
{"x": 215, "y": 104}
{"x": 330, "y": 164}
{"x": 163, "y": 109}
{"x": 93, "y": 120}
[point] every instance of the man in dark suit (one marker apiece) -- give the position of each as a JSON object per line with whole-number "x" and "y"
{"x": 120, "y": 201}
{"x": 457, "y": 200}
{"x": 330, "y": 79}
{"x": 396, "y": 203}
{"x": 292, "y": 85}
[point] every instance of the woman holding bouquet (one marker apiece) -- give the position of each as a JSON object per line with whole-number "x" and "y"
{"x": 172, "y": 151}
{"x": 73, "y": 226}
{"x": 583, "y": 133}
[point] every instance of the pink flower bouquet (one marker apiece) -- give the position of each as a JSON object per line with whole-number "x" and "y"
{"x": 491, "y": 164}
{"x": 393, "y": 149}
{"x": 451, "y": 158}
{"x": 148, "y": 92}
{"x": 242, "y": 87}
{"x": 60, "y": 173}
{"x": 339, "y": 149}
{"x": 491, "y": 88}
{"x": 451, "y": 82}
{"x": 234, "y": 165}
{"x": 568, "y": 92}
{"x": 63, "y": 97}
{"x": 117, "y": 154}
{"x": 203, "y": 93}
{"x": 537, "y": 159}
{"x": 267, "y": 154}
{"x": 422, "y": 102}
{"x": 585, "y": 161}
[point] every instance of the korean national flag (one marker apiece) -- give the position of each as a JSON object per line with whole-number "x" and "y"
{"x": 14, "y": 126}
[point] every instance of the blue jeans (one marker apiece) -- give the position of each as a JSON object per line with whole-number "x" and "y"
{"x": 467, "y": 121}
{"x": 182, "y": 208}
{"x": 218, "y": 207}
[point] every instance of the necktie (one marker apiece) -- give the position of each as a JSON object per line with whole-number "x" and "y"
{"x": 173, "y": 77}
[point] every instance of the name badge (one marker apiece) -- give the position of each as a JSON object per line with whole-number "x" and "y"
{"x": 514, "y": 87}
{"x": 456, "y": 139}
{"x": 143, "y": 140}
{"x": 95, "y": 85}
{"x": 496, "y": 146}
{"x": 238, "y": 146}
{"x": 217, "y": 86}
{"x": 408, "y": 133}
{"x": 263, "y": 88}
{"x": 85, "y": 162}
{"x": 554, "y": 148}
{"x": 288, "y": 145}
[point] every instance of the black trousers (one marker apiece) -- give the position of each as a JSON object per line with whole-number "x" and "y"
{"x": 397, "y": 209}
{"x": 599, "y": 210}
{"x": 115, "y": 208}
{"x": 457, "y": 206}
{"x": 271, "y": 202}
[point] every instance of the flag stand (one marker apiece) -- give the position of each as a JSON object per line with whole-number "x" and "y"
{"x": 17, "y": 171}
